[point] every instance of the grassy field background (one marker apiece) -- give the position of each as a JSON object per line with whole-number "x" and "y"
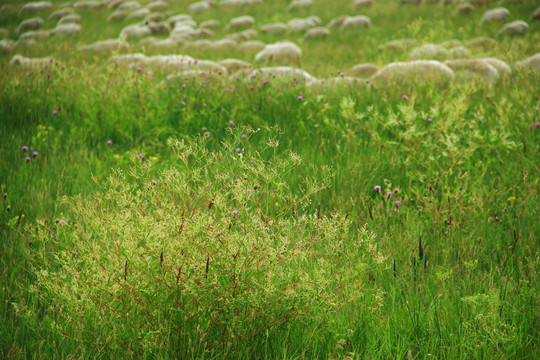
{"x": 315, "y": 263}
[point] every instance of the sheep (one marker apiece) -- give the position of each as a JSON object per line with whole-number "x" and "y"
{"x": 280, "y": 52}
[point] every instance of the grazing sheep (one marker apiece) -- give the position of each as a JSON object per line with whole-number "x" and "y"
{"x": 430, "y": 52}
{"x": 280, "y": 52}
{"x": 155, "y": 18}
{"x": 356, "y": 22}
{"x": 159, "y": 28}
{"x": 474, "y": 69}
{"x": 251, "y": 46}
{"x": 502, "y": 67}
{"x": 26, "y": 63}
{"x": 419, "y": 71}
{"x": 239, "y": 3}
{"x": 234, "y": 65}
{"x": 316, "y": 33}
{"x": 6, "y": 47}
{"x": 498, "y": 14}
{"x": 138, "y": 14}
{"x": 515, "y": 28}
{"x": 199, "y": 7}
{"x": 301, "y": 25}
{"x": 300, "y": 5}
{"x": 129, "y": 6}
{"x": 69, "y": 19}
{"x": 35, "y": 23}
{"x": 283, "y": 73}
{"x": 89, "y": 5}
{"x": 359, "y": 4}
{"x": 363, "y": 71}
{"x": 243, "y": 35}
{"x": 117, "y": 15}
{"x": 535, "y": 15}
{"x": 59, "y": 14}
{"x": 483, "y": 42}
{"x": 336, "y": 23}
{"x": 181, "y": 18}
{"x": 37, "y": 35}
{"x": 157, "y": 6}
{"x": 66, "y": 30}
{"x": 460, "y": 52}
{"x": 465, "y": 9}
{"x": 241, "y": 23}
{"x": 274, "y": 29}
{"x": 106, "y": 47}
{"x": 210, "y": 24}
{"x": 135, "y": 32}
{"x": 224, "y": 45}
{"x": 398, "y": 45}
{"x": 34, "y": 7}
{"x": 531, "y": 63}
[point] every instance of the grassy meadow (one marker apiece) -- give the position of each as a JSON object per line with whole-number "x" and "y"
{"x": 209, "y": 220}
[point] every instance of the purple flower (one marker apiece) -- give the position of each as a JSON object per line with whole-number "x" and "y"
{"x": 35, "y": 154}
{"x": 46, "y": 66}
{"x": 377, "y": 188}
{"x": 116, "y": 81}
{"x": 429, "y": 119}
{"x": 207, "y": 133}
{"x": 109, "y": 142}
{"x": 141, "y": 156}
{"x": 219, "y": 72}
{"x": 397, "y": 202}
{"x": 28, "y": 159}
{"x": 404, "y": 97}
{"x": 25, "y": 148}
{"x": 195, "y": 61}
{"x": 252, "y": 88}
{"x": 342, "y": 74}
{"x": 139, "y": 69}
{"x": 234, "y": 213}
{"x": 231, "y": 123}
{"x": 238, "y": 150}
{"x": 55, "y": 112}
{"x": 537, "y": 124}
{"x": 62, "y": 222}
{"x": 512, "y": 79}
{"x": 183, "y": 103}
{"x": 184, "y": 86}
{"x": 265, "y": 82}
{"x": 243, "y": 136}
{"x": 250, "y": 191}
{"x": 389, "y": 195}
{"x": 236, "y": 181}
{"x": 300, "y": 97}
{"x": 48, "y": 74}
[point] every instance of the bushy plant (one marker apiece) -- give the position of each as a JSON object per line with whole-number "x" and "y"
{"x": 209, "y": 255}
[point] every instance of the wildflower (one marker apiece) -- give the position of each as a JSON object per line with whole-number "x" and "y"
{"x": 342, "y": 74}
{"x": 537, "y": 124}
{"x": 35, "y": 154}
{"x": 231, "y": 123}
{"x": 195, "y": 61}
{"x": 183, "y": 103}
{"x": 219, "y": 72}
{"x": 404, "y": 97}
{"x": 397, "y": 202}
{"x": 243, "y": 136}
{"x": 139, "y": 69}
{"x": 512, "y": 80}
{"x": 141, "y": 156}
{"x": 377, "y": 188}
{"x": 62, "y": 222}
{"x": 207, "y": 133}
{"x": 389, "y": 195}
{"x": 25, "y": 148}
{"x": 46, "y": 66}
{"x": 28, "y": 159}
{"x": 236, "y": 181}
{"x": 55, "y": 112}
{"x": 429, "y": 120}
{"x": 300, "y": 97}
{"x": 238, "y": 150}
{"x": 265, "y": 82}
{"x": 109, "y": 142}
{"x": 234, "y": 213}
{"x": 250, "y": 191}
{"x": 252, "y": 88}
{"x": 184, "y": 86}
{"x": 48, "y": 74}
{"x": 116, "y": 81}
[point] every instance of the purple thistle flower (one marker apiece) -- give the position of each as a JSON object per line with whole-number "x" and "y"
{"x": 207, "y": 133}
{"x": 141, "y": 156}
{"x": 429, "y": 119}
{"x": 404, "y": 97}
{"x": 250, "y": 191}
{"x": 219, "y": 72}
{"x": 300, "y": 97}
{"x": 243, "y": 136}
{"x": 512, "y": 80}
{"x": 46, "y": 66}
{"x": 234, "y": 213}
{"x": 109, "y": 142}
{"x": 35, "y": 154}
{"x": 183, "y": 103}
{"x": 116, "y": 81}
{"x": 139, "y": 69}
{"x": 28, "y": 159}
{"x": 55, "y": 112}
{"x": 377, "y": 188}
{"x": 238, "y": 150}
{"x": 342, "y": 74}
{"x": 236, "y": 181}
{"x": 25, "y": 148}
{"x": 231, "y": 123}
{"x": 389, "y": 195}
{"x": 397, "y": 202}
{"x": 252, "y": 88}
{"x": 184, "y": 86}
{"x": 265, "y": 82}
{"x": 62, "y": 222}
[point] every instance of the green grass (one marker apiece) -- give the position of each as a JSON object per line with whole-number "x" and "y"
{"x": 468, "y": 183}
